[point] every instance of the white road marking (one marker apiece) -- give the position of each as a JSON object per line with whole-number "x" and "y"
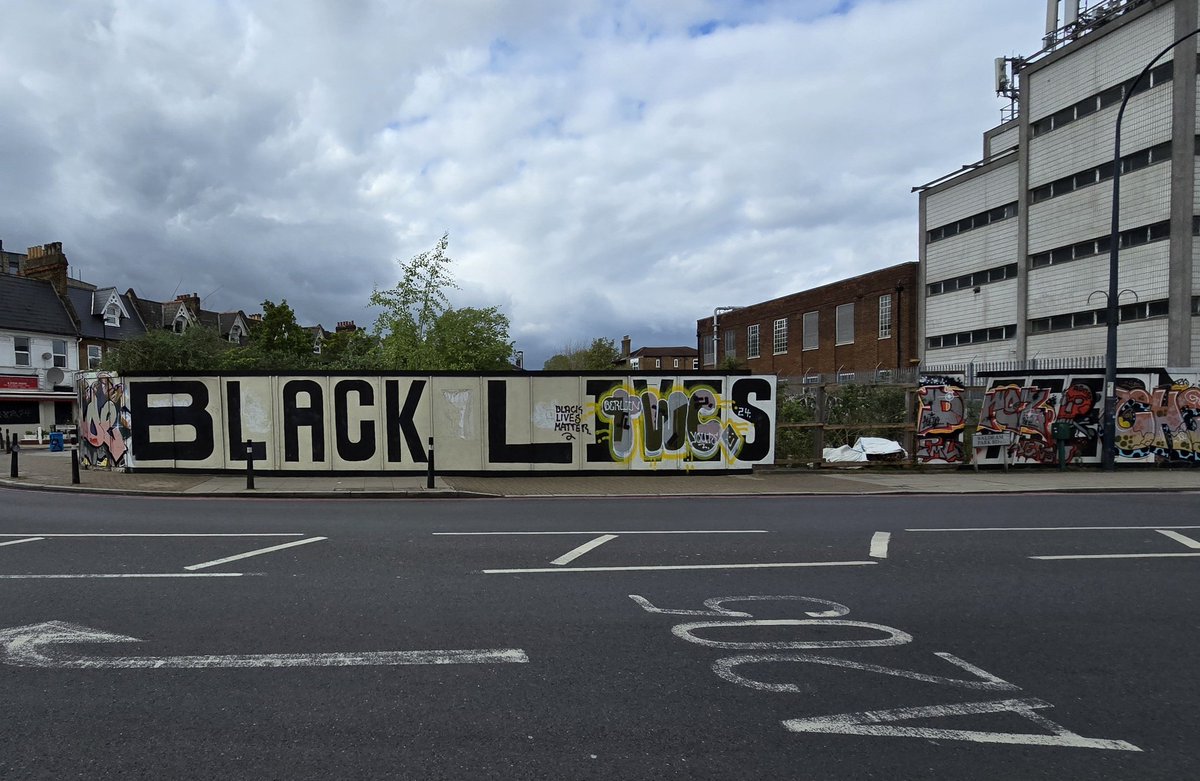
{"x": 34, "y": 646}
{"x": 127, "y": 575}
{"x": 18, "y": 542}
{"x": 518, "y": 534}
{"x": 879, "y": 544}
{"x": 1180, "y": 538}
{"x": 1119, "y": 556}
{"x": 894, "y": 636}
{"x": 713, "y": 604}
{"x": 288, "y": 534}
{"x": 570, "y": 556}
{"x": 258, "y": 552}
{"x": 724, "y": 668}
{"x": 868, "y": 723}
{"x": 651, "y": 568}
{"x": 1049, "y": 528}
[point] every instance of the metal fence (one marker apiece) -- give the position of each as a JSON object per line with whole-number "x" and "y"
{"x": 968, "y": 370}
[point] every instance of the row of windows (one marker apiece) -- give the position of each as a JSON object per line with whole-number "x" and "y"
{"x": 978, "y": 336}
{"x": 974, "y": 221}
{"x": 21, "y": 347}
{"x": 810, "y": 335}
{"x": 1133, "y": 237}
{"x": 636, "y": 363}
{"x": 1067, "y": 322}
{"x": 1109, "y": 97}
{"x": 1101, "y": 173}
{"x": 973, "y": 280}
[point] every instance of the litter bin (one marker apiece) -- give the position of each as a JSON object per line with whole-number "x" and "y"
{"x": 56, "y": 441}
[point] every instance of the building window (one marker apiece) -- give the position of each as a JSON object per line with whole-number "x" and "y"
{"x": 811, "y": 340}
{"x": 710, "y": 351}
{"x": 1109, "y": 97}
{"x": 980, "y": 220}
{"x": 635, "y": 363}
{"x": 779, "y": 340}
{"x": 1070, "y": 321}
{"x": 658, "y": 363}
{"x": 973, "y": 280}
{"x": 752, "y": 341}
{"x": 59, "y": 348}
{"x": 95, "y": 354}
{"x": 979, "y": 335}
{"x": 676, "y": 366}
{"x": 180, "y": 324}
{"x": 1146, "y": 234}
{"x": 730, "y": 344}
{"x": 885, "y": 316}
{"x": 1132, "y": 162}
{"x": 21, "y": 347}
{"x": 235, "y": 334}
{"x": 112, "y": 315}
{"x": 844, "y": 324}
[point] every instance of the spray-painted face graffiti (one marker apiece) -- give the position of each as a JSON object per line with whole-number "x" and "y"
{"x": 104, "y": 424}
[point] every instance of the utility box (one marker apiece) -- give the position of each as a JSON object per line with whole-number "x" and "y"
{"x": 56, "y": 441}
{"x": 1062, "y": 429}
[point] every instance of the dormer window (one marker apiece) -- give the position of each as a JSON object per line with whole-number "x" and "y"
{"x": 235, "y": 334}
{"x": 112, "y": 316}
{"x": 181, "y": 322}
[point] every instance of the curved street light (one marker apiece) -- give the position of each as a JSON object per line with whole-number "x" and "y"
{"x": 1108, "y": 457}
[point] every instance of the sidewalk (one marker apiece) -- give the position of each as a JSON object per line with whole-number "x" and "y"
{"x": 40, "y": 469}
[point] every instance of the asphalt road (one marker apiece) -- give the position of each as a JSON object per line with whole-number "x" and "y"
{"x": 426, "y": 639}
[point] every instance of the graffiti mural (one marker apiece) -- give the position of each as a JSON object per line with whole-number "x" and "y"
{"x": 1026, "y": 409}
{"x": 675, "y": 421}
{"x": 383, "y": 423}
{"x": 104, "y": 432}
{"x": 941, "y": 419}
{"x": 1163, "y": 421}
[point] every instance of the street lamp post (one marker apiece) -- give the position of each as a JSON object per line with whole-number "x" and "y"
{"x": 1112, "y": 312}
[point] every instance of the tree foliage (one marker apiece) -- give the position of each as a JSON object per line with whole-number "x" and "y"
{"x": 196, "y": 349}
{"x": 418, "y": 329}
{"x": 598, "y": 356}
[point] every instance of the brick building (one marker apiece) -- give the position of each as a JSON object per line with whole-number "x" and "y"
{"x": 656, "y": 358}
{"x": 858, "y": 325}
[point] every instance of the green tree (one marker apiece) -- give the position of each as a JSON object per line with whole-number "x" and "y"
{"x": 598, "y": 356}
{"x": 196, "y": 349}
{"x": 276, "y": 343}
{"x": 418, "y": 330}
{"x": 349, "y": 351}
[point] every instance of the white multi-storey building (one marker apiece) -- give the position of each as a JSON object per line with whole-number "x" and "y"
{"x": 1014, "y": 249}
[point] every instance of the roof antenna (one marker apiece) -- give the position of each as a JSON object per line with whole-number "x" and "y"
{"x": 206, "y": 297}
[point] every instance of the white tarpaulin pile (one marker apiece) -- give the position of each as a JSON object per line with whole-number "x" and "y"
{"x": 865, "y": 449}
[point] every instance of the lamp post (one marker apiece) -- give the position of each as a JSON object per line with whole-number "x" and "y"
{"x": 1112, "y": 312}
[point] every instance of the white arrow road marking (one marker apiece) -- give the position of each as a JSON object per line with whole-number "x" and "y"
{"x": 35, "y": 646}
{"x": 879, "y": 544}
{"x": 258, "y": 552}
{"x": 1180, "y": 538}
{"x": 571, "y": 555}
{"x": 18, "y": 542}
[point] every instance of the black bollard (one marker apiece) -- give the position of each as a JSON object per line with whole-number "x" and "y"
{"x": 74, "y": 467}
{"x": 7, "y": 442}
{"x": 15, "y": 450}
{"x": 429, "y": 476}
{"x": 249, "y": 465}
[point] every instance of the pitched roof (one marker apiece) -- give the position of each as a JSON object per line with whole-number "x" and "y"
{"x": 32, "y": 305}
{"x": 89, "y": 306}
{"x": 665, "y": 352}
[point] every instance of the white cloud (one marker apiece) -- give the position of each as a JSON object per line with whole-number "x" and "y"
{"x": 602, "y": 168}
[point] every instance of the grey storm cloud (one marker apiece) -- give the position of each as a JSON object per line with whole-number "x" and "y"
{"x": 602, "y": 168}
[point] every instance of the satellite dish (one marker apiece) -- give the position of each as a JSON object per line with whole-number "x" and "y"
{"x": 55, "y": 376}
{"x": 46, "y": 356}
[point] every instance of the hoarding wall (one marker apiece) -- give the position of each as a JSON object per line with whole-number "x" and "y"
{"x": 383, "y": 423}
{"x": 1157, "y": 417}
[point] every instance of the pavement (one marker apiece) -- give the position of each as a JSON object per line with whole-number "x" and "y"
{"x": 40, "y": 469}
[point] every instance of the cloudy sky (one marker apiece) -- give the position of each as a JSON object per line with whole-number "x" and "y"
{"x": 603, "y": 167}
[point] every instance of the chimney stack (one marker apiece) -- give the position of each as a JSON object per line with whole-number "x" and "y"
{"x": 49, "y": 264}
{"x": 626, "y": 343}
{"x": 345, "y": 325}
{"x": 191, "y": 301}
